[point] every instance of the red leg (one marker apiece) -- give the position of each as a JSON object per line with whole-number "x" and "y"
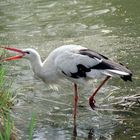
{"x": 75, "y": 100}
{"x": 75, "y": 107}
{"x": 91, "y": 99}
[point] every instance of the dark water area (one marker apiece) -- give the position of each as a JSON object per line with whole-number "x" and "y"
{"x": 111, "y": 27}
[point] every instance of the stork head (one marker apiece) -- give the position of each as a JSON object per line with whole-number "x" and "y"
{"x": 30, "y": 54}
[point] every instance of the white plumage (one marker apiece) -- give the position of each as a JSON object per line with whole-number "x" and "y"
{"x": 75, "y": 63}
{"x": 63, "y": 62}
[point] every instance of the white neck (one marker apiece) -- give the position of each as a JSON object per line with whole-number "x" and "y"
{"x": 36, "y": 65}
{"x": 45, "y": 70}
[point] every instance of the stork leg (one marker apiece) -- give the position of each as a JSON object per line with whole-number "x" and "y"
{"x": 75, "y": 100}
{"x": 91, "y": 99}
{"x": 75, "y": 108}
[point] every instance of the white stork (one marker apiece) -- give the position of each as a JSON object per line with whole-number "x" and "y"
{"x": 75, "y": 63}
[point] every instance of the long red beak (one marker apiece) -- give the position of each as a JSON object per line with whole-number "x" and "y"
{"x": 13, "y": 57}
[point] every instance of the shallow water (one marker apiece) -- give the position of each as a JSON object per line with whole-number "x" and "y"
{"x": 107, "y": 26}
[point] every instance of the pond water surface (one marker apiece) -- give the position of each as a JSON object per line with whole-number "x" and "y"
{"x": 111, "y": 27}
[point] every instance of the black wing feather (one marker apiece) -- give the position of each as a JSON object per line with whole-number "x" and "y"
{"x": 107, "y": 63}
{"x": 92, "y": 54}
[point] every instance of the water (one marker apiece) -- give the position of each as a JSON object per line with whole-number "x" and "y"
{"x": 108, "y": 26}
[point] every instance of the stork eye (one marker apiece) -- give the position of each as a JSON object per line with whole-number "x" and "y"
{"x": 28, "y": 52}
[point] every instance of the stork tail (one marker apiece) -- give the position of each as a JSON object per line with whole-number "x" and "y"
{"x": 127, "y": 77}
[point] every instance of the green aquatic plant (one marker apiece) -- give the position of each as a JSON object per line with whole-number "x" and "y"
{"x": 6, "y": 128}
{"x": 6, "y": 96}
{"x": 31, "y": 126}
{"x": 6, "y": 102}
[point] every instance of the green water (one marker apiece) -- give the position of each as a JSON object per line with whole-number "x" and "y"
{"x": 111, "y": 27}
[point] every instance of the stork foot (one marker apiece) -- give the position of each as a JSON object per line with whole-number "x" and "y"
{"x": 92, "y": 103}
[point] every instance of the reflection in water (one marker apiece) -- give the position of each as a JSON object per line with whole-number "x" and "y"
{"x": 74, "y": 131}
{"x": 90, "y": 134}
{"x": 89, "y": 137}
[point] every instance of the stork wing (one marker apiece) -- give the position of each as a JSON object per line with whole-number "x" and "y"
{"x": 77, "y": 64}
{"x": 88, "y": 63}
